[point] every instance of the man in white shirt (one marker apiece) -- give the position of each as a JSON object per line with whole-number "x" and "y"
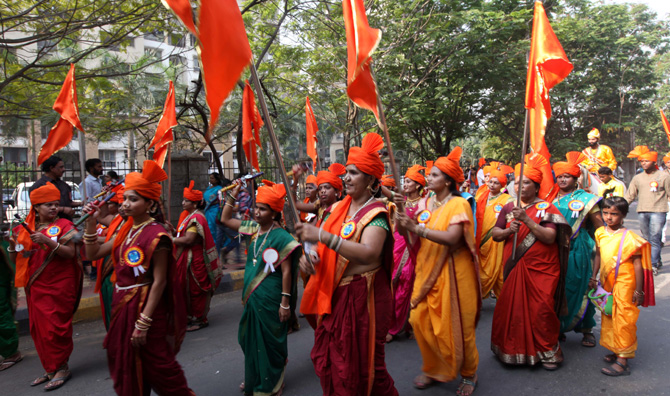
{"x": 93, "y": 181}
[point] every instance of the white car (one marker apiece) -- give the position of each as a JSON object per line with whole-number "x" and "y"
{"x": 19, "y": 203}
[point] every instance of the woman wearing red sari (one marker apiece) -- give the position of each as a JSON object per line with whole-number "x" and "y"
{"x": 148, "y": 315}
{"x": 46, "y": 267}
{"x": 525, "y": 321}
{"x": 197, "y": 259}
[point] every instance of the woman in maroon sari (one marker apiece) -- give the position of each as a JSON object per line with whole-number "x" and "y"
{"x": 525, "y": 321}
{"x": 47, "y": 268}
{"x": 148, "y": 315}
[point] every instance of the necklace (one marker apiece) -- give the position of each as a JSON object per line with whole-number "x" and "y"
{"x": 571, "y": 194}
{"x": 612, "y": 233}
{"x": 137, "y": 229}
{"x": 492, "y": 197}
{"x": 364, "y": 205}
{"x": 256, "y": 252}
{"x": 437, "y": 204}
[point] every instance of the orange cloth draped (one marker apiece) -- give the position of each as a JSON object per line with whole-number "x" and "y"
{"x": 312, "y": 128}
{"x": 450, "y": 165}
{"x": 184, "y": 11}
{"x": 164, "y": 135}
{"x": 414, "y": 173}
{"x": 388, "y": 181}
{"x": 666, "y": 124}
{"x": 251, "y": 125}
{"x": 272, "y": 195}
{"x": 619, "y": 331}
{"x": 446, "y": 299}
{"x": 332, "y": 176}
{"x": 191, "y": 194}
{"x": 642, "y": 153}
{"x": 570, "y": 167}
{"x": 366, "y": 158}
{"x": 490, "y": 252}
{"x": 104, "y": 270}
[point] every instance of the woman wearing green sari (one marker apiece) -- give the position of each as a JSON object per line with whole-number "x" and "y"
{"x": 582, "y": 212}
{"x": 269, "y": 291}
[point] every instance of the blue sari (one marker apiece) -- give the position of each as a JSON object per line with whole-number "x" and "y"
{"x": 576, "y": 208}
{"x": 211, "y": 197}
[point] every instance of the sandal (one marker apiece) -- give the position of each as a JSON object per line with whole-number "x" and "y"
{"x": 467, "y": 382}
{"x": 550, "y": 366}
{"x": 423, "y": 381}
{"x": 57, "y": 382}
{"x": 40, "y": 380}
{"x": 589, "y": 340}
{"x": 10, "y": 361}
{"x": 242, "y": 387}
{"x": 197, "y": 326}
{"x": 611, "y": 358}
{"x": 612, "y": 372}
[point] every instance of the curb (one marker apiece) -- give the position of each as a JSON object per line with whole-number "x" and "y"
{"x": 89, "y": 307}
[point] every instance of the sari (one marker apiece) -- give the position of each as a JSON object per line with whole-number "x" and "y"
{"x": 211, "y": 198}
{"x": 354, "y": 312}
{"x": 446, "y": 300}
{"x": 104, "y": 283}
{"x": 619, "y": 331}
{"x": 198, "y": 266}
{"x": 402, "y": 281}
{"x": 52, "y": 293}
{"x": 9, "y": 335}
{"x": 262, "y": 337}
{"x": 136, "y": 371}
{"x": 525, "y": 325}
{"x": 576, "y": 208}
{"x": 490, "y": 251}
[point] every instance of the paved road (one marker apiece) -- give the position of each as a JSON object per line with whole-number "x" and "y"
{"x": 214, "y": 363}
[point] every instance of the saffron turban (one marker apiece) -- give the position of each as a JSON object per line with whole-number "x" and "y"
{"x": 146, "y": 183}
{"x": 666, "y": 157}
{"x": 482, "y": 162}
{"x": 594, "y": 133}
{"x": 532, "y": 169}
{"x": 451, "y": 165}
{"x": 500, "y": 172}
{"x": 388, "y": 181}
{"x": 642, "y": 153}
{"x": 118, "y": 190}
{"x": 191, "y": 194}
{"x": 366, "y": 158}
{"x": 332, "y": 176}
{"x": 311, "y": 179}
{"x": 43, "y": 194}
{"x": 414, "y": 173}
{"x": 272, "y": 195}
{"x": 429, "y": 166}
{"x": 570, "y": 167}
{"x": 492, "y": 166}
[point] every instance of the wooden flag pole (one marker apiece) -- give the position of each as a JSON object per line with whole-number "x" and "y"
{"x": 524, "y": 148}
{"x": 82, "y": 165}
{"x": 169, "y": 183}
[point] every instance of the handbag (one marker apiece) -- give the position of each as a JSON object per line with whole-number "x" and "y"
{"x": 602, "y": 299}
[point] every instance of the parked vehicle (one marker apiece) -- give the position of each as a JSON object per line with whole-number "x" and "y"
{"x": 19, "y": 202}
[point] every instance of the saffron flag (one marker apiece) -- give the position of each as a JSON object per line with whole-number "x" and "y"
{"x": 224, "y": 52}
{"x": 164, "y": 135}
{"x": 183, "y": 10}
{"x": 312, "y": 129}
{"x": 547, "y": 66}
{"x": 251, "y": 119}
{"x": 362, "y": 40}
{"x": 666, "y": 125}
{"x": 66, "y": 105}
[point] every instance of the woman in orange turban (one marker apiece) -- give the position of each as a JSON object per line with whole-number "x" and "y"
{"x": 270, "y": 289}
{"x": 446, "y": 272}
{"x": 148, "y": 314}
{"x": 525, "y": 320}
{"x": 197, "y": 258}
{"x": 311, "y": 192}
{"x": 355, "y": 248}
{"x": 329, "y": 185}
{"x": 47, "y": 268}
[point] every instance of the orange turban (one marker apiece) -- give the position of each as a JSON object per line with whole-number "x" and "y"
{"x": 272, "y": 195}
{"x": 500, "y": 172}
{"x": 594, "y": 133}
{"x": 533, "y": 167}
{"x": 413, "y": 173}
{"x": 311, "y": 179}
{"x": 43, "y": 194}
{"x": 642, "y": 153}
{"x": 429, "y": 166}
{"x": 666, "y": 157}
{"x": 366, "y": 158}
{"x": 572, "y": 166}
{"x": 388, "y": 181}
{"x": 332, "y": 176}
{"x": 118, "y": 190}
{"x": 191, "y": 194}
{"x": 451, "y": 165}
{"x": 146, "y": 183}
{"x": 482, "y": 162}
{"x": 492, "y": 166}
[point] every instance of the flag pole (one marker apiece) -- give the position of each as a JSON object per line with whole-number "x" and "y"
{"x": 524, "y": 148}
{"x": 169, "y": 183}
{"x": 82, "y": 164}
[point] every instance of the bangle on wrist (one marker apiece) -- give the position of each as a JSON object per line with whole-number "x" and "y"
{"x": 320, "y": 229}
{"x": 283, "y": 307}
{"x": 340, "y": 241}
{"x": 286, "y": 294}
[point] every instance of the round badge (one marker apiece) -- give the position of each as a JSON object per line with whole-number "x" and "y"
{"x": 181, "y": 227}
{"x": 542, "y": 205}
{"x": 19, "y": 247}
{"x": 497, "y": 208}
{"x": 424, "y": 216}
{"x": 653, "y": 184}
{"x": 53, "y": 231}
{"x": 134, "y": 256}
{"x": 576, "y": 206}
{"x": 348, "y": 230}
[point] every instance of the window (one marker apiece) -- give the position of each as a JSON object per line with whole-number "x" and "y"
{"x": 177, "y": 40}
{"x": 44, "y": 129}
{"x": 196, "y": 64}
{"x": 153, "y": 53}
{"x": 156, "y": 35}
{"x": 15, "y": 154}
{"x": 177, "y": 60}
{"x": 108, "y": 158}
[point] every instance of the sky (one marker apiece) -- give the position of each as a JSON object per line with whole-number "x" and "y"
{"x": 662, "y": 7}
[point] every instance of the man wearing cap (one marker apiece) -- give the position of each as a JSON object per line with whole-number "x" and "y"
{"x": 597, "y": 154}
{"x": 650, "y": 188}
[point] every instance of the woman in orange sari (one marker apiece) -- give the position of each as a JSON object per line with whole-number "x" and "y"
{"x": 624, "y": 261}
{"x": 525, "y": 321}
{"x": 446, "y": 299}
{"x": 349, "y": 288}
{"x": 47, "y": 268}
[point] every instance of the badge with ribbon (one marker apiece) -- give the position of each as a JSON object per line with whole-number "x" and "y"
{"x": 270, "y": 257}
{"x": 53, "y": 231}
{"x": 576, "y": 206}
{"x": 653, "y": 186}
{"x": 134, "y": 257}
{"x": 424, "y": 216}
{"x": 497, "y": 208}
{"x": 541, "y": 209}
{"x": 348, "y": 230}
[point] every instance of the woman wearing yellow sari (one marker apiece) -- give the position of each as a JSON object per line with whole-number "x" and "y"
{"x": 631, "y": 283}
{"x": 446, "y": 299}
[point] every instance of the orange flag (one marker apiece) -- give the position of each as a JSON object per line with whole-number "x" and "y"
{"x": 224, "y": 52}
{"x": 312, "y": 129}
{"x": 164, "y": 135}
{"x": 66, "y": 105}
{"x": 362, "y": 40}
{"x": 547, "y": 66}
{"x": 666, "y": 125}
{"x": 183, "y": 10}
{"x": 251, "y": 118}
